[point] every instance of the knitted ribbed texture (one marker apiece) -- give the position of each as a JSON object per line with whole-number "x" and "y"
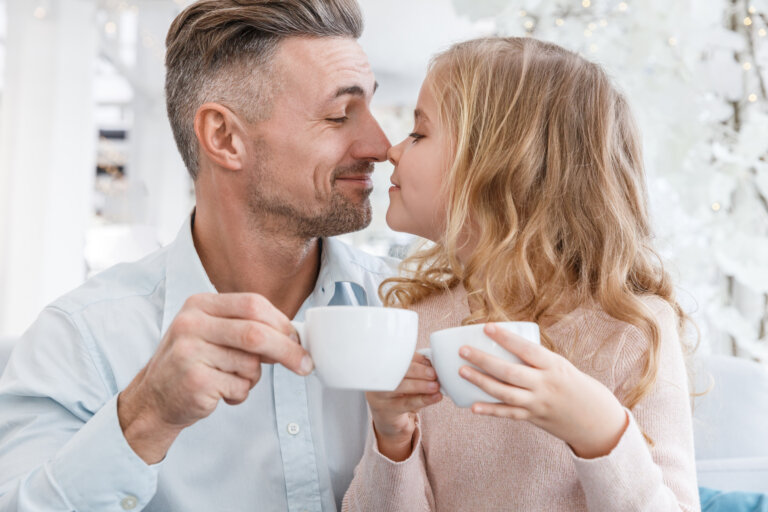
{"x": 463, "y": 462}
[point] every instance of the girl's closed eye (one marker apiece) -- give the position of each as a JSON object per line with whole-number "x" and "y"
{"x": 415, "y": 136}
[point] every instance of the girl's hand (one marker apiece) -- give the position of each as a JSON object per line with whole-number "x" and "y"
{"x": 551, "y": 393}
{"x": 394, "y": 412}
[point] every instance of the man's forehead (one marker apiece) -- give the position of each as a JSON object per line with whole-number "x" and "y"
{"x": 327, "y": 62}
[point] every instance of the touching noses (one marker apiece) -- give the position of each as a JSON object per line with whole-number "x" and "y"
{"x": 393, "y": 154}
{"x": 372, "y": 144}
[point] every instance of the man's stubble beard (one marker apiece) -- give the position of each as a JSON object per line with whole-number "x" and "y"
{"x": 337, "y": 214}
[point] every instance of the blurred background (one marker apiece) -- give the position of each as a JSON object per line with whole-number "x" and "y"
{"x": 90, "y": 175}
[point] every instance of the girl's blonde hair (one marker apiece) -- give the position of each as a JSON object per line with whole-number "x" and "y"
{"x": 547, "y": 170}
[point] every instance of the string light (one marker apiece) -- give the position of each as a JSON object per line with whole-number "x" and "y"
{"x": 592, "y": 26}
{"x": 529, "y": 24}
{"x": 752, "y": 98}
{"x": 586, "y": 3}
{"x": 588, "y": 33}
{"x": 40, "y": 12}
{"x": 747, "y": 21}
{"x": 761, "y": 32}
{"x": 110, "y": 27}
{"x": 716, "y": 207}
{"x": 672, "y": 41}
{"x": 593, "y": 48}
{"x": 752, "y": 9}
{"x": 623, "y": 6}
{"x": 747, "y": 66}
{"x": 559, "y": 22}
{"x": 522, "y": 14}
{"x": 603, "y": 22}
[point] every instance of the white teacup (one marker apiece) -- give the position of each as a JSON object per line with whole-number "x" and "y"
{"x": 445, "y": 358}
{"x": 359, "y": 347}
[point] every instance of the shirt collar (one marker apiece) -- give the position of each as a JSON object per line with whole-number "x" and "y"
{"x": 186, "y": 276}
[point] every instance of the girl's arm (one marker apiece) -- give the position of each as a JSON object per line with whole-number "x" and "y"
{"x": 616, "y": 467}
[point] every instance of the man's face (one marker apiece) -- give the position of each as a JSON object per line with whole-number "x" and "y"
{"x": 309, "y": 164}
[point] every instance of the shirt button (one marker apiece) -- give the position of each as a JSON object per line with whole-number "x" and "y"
{"x": 293, "y": 428}
{"x": 129, "y": 502}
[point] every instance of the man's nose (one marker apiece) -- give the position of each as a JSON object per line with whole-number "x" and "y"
{"x": 372, "y": 144}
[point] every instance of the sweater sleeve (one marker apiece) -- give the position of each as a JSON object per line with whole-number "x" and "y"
{"x": 381, "y": 484}
{"x": 637, "y": 476}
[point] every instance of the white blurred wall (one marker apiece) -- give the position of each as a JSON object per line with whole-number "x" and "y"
{"x": 47, "y": 154}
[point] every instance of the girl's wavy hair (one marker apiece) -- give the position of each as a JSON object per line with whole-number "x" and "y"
{"x": 547, "y": 169}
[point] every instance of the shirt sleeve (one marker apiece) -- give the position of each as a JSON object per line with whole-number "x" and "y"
{"x": 636, "y": 475}
{"x": 61, "y": 445}
{"x": 381, "y": 484}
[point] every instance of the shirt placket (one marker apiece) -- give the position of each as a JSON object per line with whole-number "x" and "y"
{"x": 295, "y": 435}
{"x": 302, "y": 482}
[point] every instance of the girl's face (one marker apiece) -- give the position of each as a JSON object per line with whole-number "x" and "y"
{"x": 416, "y": 199}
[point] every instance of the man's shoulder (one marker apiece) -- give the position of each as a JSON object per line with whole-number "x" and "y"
{"x": 383, "y": 266}
{"x": 124, "y": 281}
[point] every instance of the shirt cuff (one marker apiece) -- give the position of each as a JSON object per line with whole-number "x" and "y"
{"x": 415, "y": 446}
{"x": 97, "y": 470}
{"x": 627, "y": 472}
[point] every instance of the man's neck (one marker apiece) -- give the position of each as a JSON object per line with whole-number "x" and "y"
{"x": 241, "y": 257}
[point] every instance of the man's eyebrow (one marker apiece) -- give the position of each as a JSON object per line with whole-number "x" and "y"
{"x": 353, "y": 90}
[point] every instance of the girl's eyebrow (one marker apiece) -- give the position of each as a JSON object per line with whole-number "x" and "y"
{"x": 419, "y": 114}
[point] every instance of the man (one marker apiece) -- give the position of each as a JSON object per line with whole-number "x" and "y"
{"x": 112, "y": 400}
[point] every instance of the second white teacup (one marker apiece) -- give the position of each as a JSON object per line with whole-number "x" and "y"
{"x": 359, "y": 347}
{"x": 445, "y": 358}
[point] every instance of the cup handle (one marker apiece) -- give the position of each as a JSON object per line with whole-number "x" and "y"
{"x": 426, "y": 352}
{"x": 302, "y": 332}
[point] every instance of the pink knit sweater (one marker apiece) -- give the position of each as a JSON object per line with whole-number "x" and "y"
{"x": 464, "y": 462}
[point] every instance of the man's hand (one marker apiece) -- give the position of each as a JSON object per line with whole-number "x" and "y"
{"x": 213, "y": 350}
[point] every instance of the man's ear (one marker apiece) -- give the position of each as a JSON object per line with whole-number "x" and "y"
{"x": 221, "y": 135}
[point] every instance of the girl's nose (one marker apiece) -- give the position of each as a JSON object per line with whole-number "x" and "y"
{"x": 393, "y": 154}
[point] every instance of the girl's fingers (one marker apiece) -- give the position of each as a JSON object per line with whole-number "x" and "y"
{"x": 510, "y": 395}
{"x": 406, "y": 387}
{"x": 412, "y": 403}
{"x": 421, "y": 371}
{"x": 417, "y": 387}
{"x": 515, "y": 374}
{"x": 530, "y": 353}
{"x": 421, "y": 359}
{"x": 500, "y": 411}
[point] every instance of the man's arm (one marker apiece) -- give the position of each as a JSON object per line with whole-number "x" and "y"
{"x": 61, "y": 447}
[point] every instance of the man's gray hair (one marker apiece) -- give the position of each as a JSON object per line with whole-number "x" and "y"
{"x": 221, "y": 51}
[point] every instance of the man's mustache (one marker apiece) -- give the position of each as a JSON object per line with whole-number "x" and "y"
{"x": 352, "y": 170}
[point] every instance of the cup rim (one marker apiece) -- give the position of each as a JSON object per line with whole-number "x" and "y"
{"x": 367, "y": 307}
{"x": 450, "y": 329}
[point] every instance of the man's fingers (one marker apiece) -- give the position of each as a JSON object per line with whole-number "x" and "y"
{"x": 245, "y": 306}
{"x": 232, "y": 360}
{"x": 232, "y": 388}
{"x": 256, "y": 338}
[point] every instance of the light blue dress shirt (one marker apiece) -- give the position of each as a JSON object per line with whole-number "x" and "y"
{"x": 292, "y": 445}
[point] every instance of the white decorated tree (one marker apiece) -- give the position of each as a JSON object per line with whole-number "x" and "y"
{"x": 695, "y": 73}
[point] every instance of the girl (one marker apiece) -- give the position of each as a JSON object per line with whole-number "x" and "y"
{"x": 524, "y": 168}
